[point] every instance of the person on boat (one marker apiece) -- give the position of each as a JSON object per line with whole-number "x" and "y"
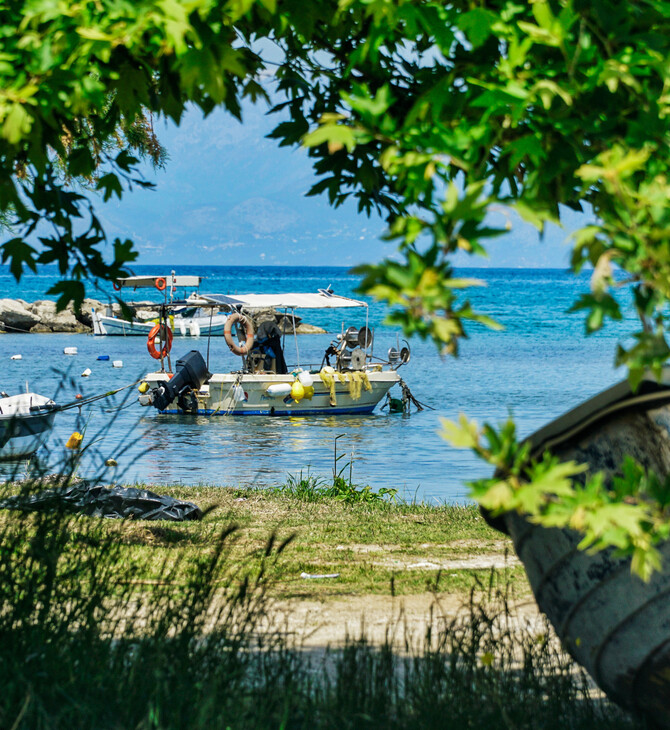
{"x": 268, "y": 347}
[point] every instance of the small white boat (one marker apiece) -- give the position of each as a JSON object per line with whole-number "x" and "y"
{"x": 180, "y": 325}
{"x": 355, "y": 382}
{"x": 184, "y": 320}
{"x": 25, "y": 423}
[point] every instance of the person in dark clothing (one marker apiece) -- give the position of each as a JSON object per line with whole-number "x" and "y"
{"x": 268, "y": 344}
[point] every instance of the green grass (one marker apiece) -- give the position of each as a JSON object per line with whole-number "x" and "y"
{"x": 309, "y": 488}
{"x": 370, "y": 544}
{"x": 114, "y": 625}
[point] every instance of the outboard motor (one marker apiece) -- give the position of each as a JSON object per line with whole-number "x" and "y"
{"x": 190, "y": 374}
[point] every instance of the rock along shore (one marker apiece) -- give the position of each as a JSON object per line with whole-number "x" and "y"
{"x": 17, "y": 315}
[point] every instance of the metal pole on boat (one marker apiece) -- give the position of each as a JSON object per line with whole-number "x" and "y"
{"x": 209, "y": 336}
{"x": 295, "y": 337}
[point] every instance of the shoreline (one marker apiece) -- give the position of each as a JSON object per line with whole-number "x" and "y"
{"x": 41, "y": 317}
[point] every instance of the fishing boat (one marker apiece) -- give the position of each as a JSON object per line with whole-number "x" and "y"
{"x": 186, "y": 320}
{"x": 26, "y": 420}
{"x": 349, "y": 379}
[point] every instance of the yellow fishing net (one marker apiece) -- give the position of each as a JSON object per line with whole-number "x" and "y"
{"x": 355, "y": 380}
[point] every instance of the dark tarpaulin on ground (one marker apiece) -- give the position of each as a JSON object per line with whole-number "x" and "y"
{"x": 99, "y": 501}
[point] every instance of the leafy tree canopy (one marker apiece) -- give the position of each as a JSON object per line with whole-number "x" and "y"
{"x": 429, "y": 112}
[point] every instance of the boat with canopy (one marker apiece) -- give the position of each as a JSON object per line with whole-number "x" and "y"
{"x": 349, "y": 379}
{"x": 186, "y": 320}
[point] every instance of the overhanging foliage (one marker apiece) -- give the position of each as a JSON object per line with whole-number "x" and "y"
{"x": 428, "y": 112}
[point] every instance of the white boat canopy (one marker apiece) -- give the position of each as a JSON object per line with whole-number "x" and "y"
{"x": 147, "y": 282}
{"x": 323, "y": 299}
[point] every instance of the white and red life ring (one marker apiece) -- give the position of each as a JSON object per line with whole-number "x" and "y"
{"x": 239, "y": 348}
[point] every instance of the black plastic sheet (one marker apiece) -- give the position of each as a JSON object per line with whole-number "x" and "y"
{"x": 98, "y": 501}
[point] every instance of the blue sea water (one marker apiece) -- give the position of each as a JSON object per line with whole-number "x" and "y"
{"x": 538, "y": 367}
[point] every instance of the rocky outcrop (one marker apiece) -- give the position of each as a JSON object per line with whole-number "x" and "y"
{"x": 51, "y": 320}
{"x": 17, "y": 315}
{"x": 284, "y": 322}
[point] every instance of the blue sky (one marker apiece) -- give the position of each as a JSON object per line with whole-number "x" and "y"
{"x": 230, "y": 196}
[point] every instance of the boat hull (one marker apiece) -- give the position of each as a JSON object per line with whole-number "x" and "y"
{"x": 23, "y": 432}
{"x": 613, "y": 623}
{"x": 181, "y": 327}
{"x": 233, "y": 394}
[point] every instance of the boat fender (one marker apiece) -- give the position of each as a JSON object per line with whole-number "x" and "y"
{"x": 236, "y": 347}
{"x": 86, "y": 373}
{"x": 167, "y": 342}
{"x": 160, "y": 283}
{"x": 305, "y": 379}
{"x": 297, "y": 391}
{"x": 143, "y": 386}
{"x": 279, "y": 390}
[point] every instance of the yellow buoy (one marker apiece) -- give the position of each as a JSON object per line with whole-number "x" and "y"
{"x": 74, "y": 442}
{"x": 297, "y": 391}
{"x": 143, "y": 386}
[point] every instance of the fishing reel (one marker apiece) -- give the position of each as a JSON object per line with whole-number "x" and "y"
{"x": 399, "y": 357}
{"x": 349, "y": 349}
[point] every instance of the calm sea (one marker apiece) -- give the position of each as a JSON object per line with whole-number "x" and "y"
{"x": 538, "y": 367}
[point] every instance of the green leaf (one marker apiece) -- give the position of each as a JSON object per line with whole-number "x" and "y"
{"x": 17, "y": 125}
{"x": 336, "y": 135}
{"x": 461, "y": 435}
{"x": 477, "y": 25}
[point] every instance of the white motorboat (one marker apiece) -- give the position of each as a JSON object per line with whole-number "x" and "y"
{"x": 184, "y": 320}
{"x": 354, "y": 382}
{"x": 25, "y": 423}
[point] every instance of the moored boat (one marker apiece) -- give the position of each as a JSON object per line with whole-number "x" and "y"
{"x": 349, "y": 379}
{"x": 185, "y": 320}
{"x": 26, "y": 420}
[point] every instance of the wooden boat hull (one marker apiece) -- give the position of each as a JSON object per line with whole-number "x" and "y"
{"x": 231, "y": 394}
{"x": 613, "y": 623}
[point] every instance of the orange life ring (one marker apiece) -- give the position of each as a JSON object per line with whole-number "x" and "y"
{"x": 239, "y": 348}
{"x": 167, "y": 343}
{"x": 116, "y": 285}
{"x": 160, "y": 283}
